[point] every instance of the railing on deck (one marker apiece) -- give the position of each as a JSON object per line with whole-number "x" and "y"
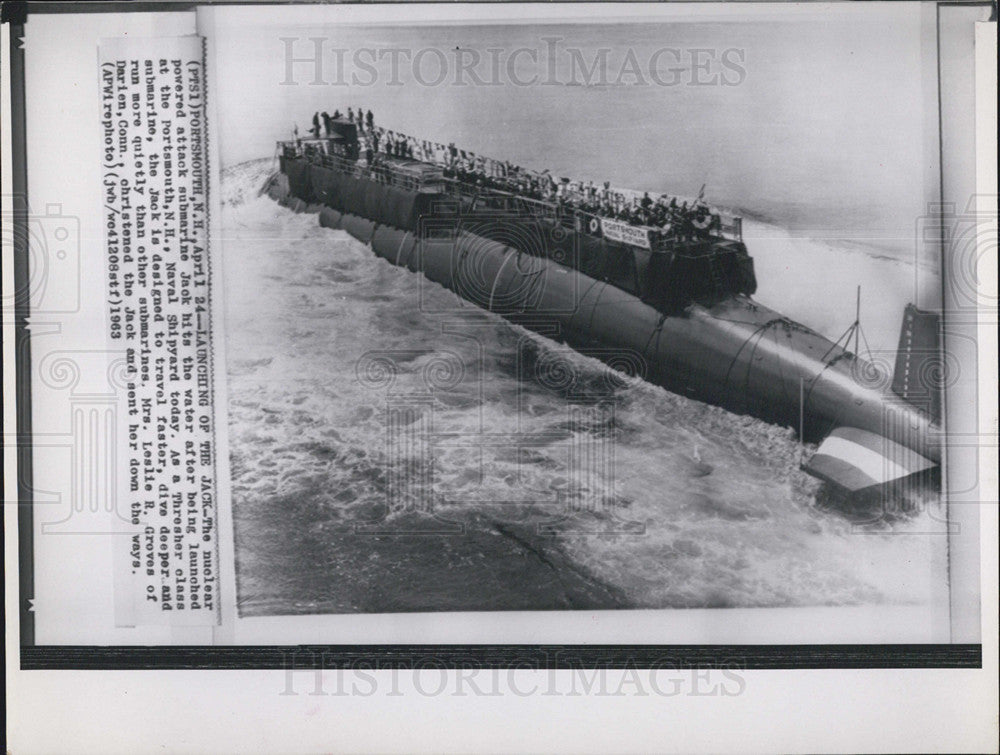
{"x": 732, "y": 227}
{"x": 384, "y": 170}
{"x": 573, "y": 218}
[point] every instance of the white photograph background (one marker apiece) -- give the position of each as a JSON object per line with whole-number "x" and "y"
{"x": 929, "y": 709}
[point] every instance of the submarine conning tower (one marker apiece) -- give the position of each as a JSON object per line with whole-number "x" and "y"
{"x": 698, "y": 257}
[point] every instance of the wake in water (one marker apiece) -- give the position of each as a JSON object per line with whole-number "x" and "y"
{"x": 387, "y": 458}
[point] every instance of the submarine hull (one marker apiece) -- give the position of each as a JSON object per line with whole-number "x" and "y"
{"x": 734, "y": 353}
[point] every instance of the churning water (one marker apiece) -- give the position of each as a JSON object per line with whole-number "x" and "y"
{"x": 472, "y": 465}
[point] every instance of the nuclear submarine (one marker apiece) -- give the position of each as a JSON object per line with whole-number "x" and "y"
{"x": 670, "y": 303}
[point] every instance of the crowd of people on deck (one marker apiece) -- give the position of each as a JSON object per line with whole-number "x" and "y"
{"x": 322, "y": 123}
{"x": 662, "y": 214}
